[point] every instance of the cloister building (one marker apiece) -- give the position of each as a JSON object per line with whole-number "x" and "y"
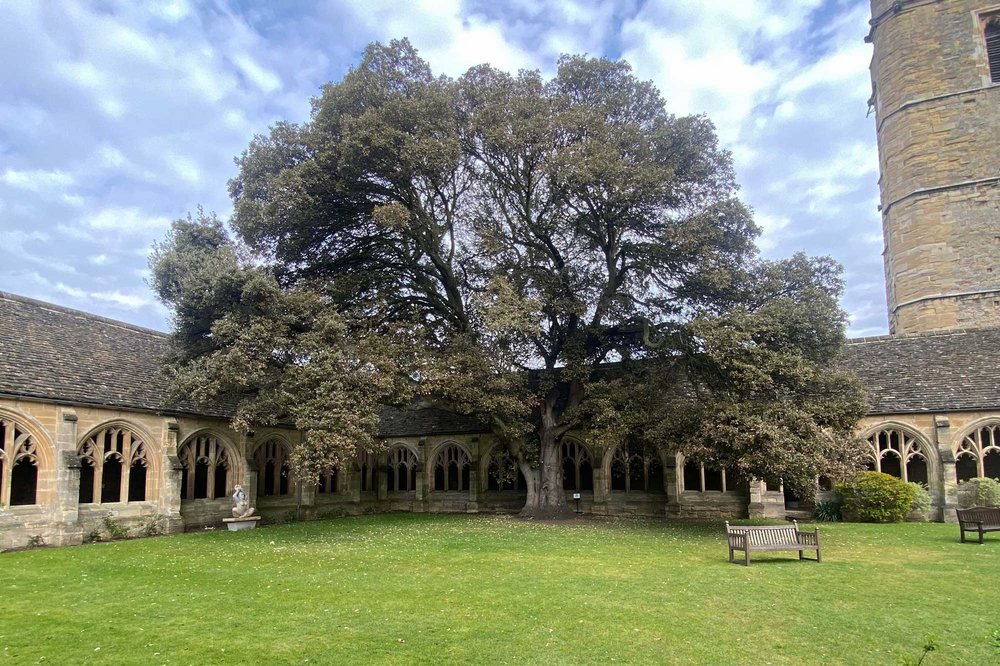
{"x": 87, "y": 428}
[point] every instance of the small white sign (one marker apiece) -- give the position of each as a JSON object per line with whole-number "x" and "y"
{"x": 576, "y": 495}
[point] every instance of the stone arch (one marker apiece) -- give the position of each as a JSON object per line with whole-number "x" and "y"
{"x": 633, "y": 467}
{"x": 977, "y": 452}
{"x": 366, "y": 467}
{"x": 901, "y": 451}
{"x": 450, "y": 468}
{"x": 499, "y": 472}
{"x": 118, "y": 463}
{"x": 402, "y": 468}
{"x": 578, "y": 465}
{"x": 696, "y": 476}
{"x": 210, "y": 465}
{"x": 27, "y": 461}
{"x": 274, "y": 474}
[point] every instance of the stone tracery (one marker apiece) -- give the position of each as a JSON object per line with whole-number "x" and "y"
{"x": 978, "y": 453}
{"x": 898, "y": 453}
{"x": 19, "y": 461}
{"x": 114, "y": 467}
{"x": 206, "y": 468}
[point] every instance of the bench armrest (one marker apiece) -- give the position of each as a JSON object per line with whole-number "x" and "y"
{"x": 738, "y": 540}
{"x": 809, "y": 538}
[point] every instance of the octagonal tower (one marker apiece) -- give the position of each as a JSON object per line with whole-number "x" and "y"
{"x": 936, "y": 93}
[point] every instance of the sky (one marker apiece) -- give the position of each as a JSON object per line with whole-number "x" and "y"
{"x": 117, "y": 117}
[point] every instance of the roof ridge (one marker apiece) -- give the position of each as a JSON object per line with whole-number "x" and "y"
{"x": 62, "y": 309}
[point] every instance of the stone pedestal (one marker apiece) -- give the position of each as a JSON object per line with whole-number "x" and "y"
{"x": 240, "y": 524}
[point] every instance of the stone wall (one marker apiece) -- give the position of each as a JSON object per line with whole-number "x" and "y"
{"x": 58, "y": 518}
{"x": 938, "y": 128}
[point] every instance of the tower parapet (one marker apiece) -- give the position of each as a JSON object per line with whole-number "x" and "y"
{"x": 937, "y": 114}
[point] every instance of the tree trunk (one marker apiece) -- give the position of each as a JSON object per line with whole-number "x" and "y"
{"x": 546, "y": 498}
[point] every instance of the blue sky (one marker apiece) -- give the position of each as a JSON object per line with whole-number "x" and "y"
{"x": 118, "y": 117}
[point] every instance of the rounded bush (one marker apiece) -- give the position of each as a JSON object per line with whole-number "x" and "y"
{"x": 873, "y": 497}
{"x": 979, "y": 492}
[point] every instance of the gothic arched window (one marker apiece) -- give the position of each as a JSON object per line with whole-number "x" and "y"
{"x": 502, "y": 473}
{"x": 327, "y": 482}
{"x": 402, "y": 469}
{"x": 273, "y": 472}
{"x": 205, "y": 468}
{"x": 18, "y": 465}
{"x": 699, "y": 477}
{"x": 636, "y": 468}
{"x": 979, "y": 454}
{"x": 897, "y": 453}
{"x": 451, "y": 469}
{"x": 578, "y": 467}
{"x": 113, "y": 467}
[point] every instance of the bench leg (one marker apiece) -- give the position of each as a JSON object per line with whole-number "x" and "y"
{"x": 730, "y": 553}
{"x": 747, "y": 557}
{"x": 963, "y": 536}
{"x": 802, "y": 554}
{"x": 980, "y": 536}
{"x": 819, "y": 558}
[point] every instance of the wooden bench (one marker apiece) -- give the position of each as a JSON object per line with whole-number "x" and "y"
{"x": 748, "y": 538}
{"x": 979, "y": 519}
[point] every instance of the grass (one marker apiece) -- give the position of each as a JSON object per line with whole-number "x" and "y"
{"x": 411, "y": 589}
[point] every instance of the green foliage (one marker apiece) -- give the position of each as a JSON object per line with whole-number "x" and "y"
{"x": 931, "y": 644}
{"x": 150, "y": 526}
{"x": 93, "y": 536}
{"x": 827, "y": 511}
{"x": 488, "y": 244}
{"x": 922, "y": 502}
{"x": 36, "y": 541}
{"x": 979, "y": 492}
{"x": 873, "y": 497}
{"x": 115, "y": 529}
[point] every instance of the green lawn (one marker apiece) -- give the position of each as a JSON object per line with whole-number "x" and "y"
{"x": 477, "y": 589}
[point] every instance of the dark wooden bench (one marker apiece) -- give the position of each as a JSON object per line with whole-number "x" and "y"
{"x": 980, "y": 519}
{"x": 749, "y": 538}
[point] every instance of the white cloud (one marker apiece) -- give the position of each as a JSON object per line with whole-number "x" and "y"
{"x": 265, "y": 80}
{"x": 37, "y": 180}
{"x": 126, "y": 221}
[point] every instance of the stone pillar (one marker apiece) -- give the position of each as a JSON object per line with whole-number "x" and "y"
{"x": 66, "y": 480}
{"x": 757, "y": 508}
{"x": 247, "y": 442}
{"x": 672, "y": 483}
{"x": 946, "y": 500}
{"x": 473, "y": 504}
{"x": 170, "y": 490}
{"x": 382, "y": 476}
{"x": 421, "y": 487}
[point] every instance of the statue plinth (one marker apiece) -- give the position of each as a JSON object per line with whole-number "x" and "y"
{"x": 239, "y": 524}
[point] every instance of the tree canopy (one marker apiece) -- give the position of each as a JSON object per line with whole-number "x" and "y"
{"x": 550, "y": 255}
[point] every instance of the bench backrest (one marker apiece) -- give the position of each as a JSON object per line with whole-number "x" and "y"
{"x": 988, "y": 515}
{"x": 766, "y": 535}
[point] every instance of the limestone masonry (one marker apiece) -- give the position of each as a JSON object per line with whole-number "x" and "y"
{"x": 89, "y": 433}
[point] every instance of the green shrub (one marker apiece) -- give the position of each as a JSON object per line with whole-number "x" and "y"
{"x": 116, "y": 529}
{"x": 827, "y": 511}
{"x": 921, "y": 501}
{"x": 979, "y": 492}
{"x": 873, "y": 497}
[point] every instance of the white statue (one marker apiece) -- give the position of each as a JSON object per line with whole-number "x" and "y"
{"x": 241, "y": 508}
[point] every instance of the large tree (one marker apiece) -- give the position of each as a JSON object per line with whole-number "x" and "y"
{"x": 548, "y": 255}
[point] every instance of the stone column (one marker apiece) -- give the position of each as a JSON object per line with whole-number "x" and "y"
{"x": 946, "y": 499}
{"x": 420, "y": 487}
{"x": 673, "y": 486}
{"x": 473, "y": 503}
{"x": 382, "y": 476}
{"x": 247, "y": 442}
{"x": 170, "y": 490}
{"x": 66, "y": 480}
{"x": 757, "y": 508}
{"x": 600, "y": 505}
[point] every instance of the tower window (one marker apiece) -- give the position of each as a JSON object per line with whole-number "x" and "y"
{"x": 993, "y": 47}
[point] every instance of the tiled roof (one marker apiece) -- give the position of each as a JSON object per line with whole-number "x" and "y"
{"x": 48, "y": 352}
{"x": 929, "y": 372}
{"x": 55, "y": 353}
{"x": 52, "y": 353}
